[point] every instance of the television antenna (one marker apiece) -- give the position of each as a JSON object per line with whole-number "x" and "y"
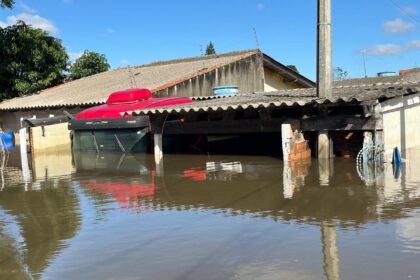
{"x": 257, "y": 43}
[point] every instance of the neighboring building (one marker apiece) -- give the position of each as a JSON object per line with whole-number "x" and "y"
{"x": 399, "y": 107}
{"x": 250, "y": 70}
{"x": 406, "y": 76}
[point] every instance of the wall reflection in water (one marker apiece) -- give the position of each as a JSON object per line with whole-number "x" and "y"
{"x": 40, "y": 218}
{"x": 38, "y": 214}
{"x": 253, "y": 186}
{"x": 294, "y": 174}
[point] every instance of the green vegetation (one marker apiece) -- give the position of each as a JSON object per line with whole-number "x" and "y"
{"x": 340, "y": 74}
{"x": 7, "y": 3}
{"x": 293, "y": 67}
{"x": 88, "y": 64}
{"x": 210, "y": 49}
{"x": 30, "y": 60}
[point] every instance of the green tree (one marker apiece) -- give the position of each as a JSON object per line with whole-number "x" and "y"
{"x": 340, "y": 74}
{"x": 7, "y": 3}
{"x": 210, "y": 49}
{"x": 30, "y": 60}
{"x": 293, "y": 67}
{"x": 88, "y": 64}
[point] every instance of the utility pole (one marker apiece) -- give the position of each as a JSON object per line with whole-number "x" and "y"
{"x": 324, "y": 50}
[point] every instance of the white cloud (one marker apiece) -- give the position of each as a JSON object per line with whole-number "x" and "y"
{"x": 26, "y": 8}
{"x": 410, "y": 10}
{"x": 260, "y": 6}
{"x": 110, "y": 30}
{"x": 31, "y": 19}
{"x": 414, "y": 44}
{"x": 74, "y": 56}
{"x": 398, "y": 26}
{"x": 390, "y": 49}
{"x": 67, "y": 1}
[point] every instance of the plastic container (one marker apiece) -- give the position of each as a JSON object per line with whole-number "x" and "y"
{"x": 225, "y": 90}
{"x": 7, "y": 140}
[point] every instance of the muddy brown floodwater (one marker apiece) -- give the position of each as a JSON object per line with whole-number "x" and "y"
{"x": 114, "y": 216}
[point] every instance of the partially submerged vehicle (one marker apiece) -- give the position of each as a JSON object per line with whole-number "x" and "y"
{"x": 108, "y": 128}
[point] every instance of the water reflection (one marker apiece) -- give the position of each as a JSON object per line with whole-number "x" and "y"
{"x": 230, "y": 216}
{"x": 134, "y": 179}
{"x": 233, "y": 186}
{"x": 45, "y": 219}
{"x": 39, "y": 212}
{"x": 294, "y": 174}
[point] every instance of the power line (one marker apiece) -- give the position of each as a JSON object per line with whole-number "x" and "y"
{"x": 413, "y": 17}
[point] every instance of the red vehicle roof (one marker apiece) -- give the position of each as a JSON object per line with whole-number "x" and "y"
{"x": 129, "y": 100}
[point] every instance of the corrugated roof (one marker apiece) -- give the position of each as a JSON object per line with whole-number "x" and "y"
{"x": 410, "y": 77}
{"x": 95, "y": 89}
{"x": 288, "y": 98}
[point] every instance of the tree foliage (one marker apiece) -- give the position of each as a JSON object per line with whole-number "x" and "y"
{"x": 210, "y": 49}
{"x": 293, "y": 67}
{"x": 88, "y": 64}
{"x": 7, "y": 3}
{"x": 30, "y": 60}
{"x": 340, "y": 74}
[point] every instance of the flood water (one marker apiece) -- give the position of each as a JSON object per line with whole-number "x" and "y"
{"x": 115, "y": 216}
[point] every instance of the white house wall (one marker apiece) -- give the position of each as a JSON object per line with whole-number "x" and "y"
{"x": 401, "y": 122}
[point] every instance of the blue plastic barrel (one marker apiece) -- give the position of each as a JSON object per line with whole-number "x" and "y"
{"x": 7, "y": 140}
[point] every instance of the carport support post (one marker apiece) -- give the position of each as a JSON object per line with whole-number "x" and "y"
{"x": 324, "y": 155}
{"x": 158, "y": 153}
{"x": 324, "y": 145}
{"x": 286, "y": 140}
{"x": 157, "y": 123}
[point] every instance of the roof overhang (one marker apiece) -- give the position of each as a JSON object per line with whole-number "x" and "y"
{"x": 288, "y": 73}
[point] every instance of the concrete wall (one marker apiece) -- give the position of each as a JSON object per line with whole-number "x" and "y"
{"x": 50, "y": 139}
{"x": 401, "y": 121}
{"x": 11, "y": 120}
{"x": 274, "y": 81}
{"x": 247, "y": 73}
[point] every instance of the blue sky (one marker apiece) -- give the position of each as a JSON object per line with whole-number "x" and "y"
{"x": 137, "y": 32}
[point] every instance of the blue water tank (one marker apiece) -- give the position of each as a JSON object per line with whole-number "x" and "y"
{"x": 225, "y": 90}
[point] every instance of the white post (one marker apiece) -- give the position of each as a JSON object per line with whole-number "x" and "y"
{"x": 288, "y": 182}
{"x": 24, "y": 156}
{"x": 323, "y": 145}
{"x": 324, "y": 171}
{"x": 286, "y": 137}
{"x": 158, "y": 153}
{"x": 324, "y": 158}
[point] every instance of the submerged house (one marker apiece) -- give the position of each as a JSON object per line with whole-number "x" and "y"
{"x": 251, "y": 70}
{"x": 388, "y": 108}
